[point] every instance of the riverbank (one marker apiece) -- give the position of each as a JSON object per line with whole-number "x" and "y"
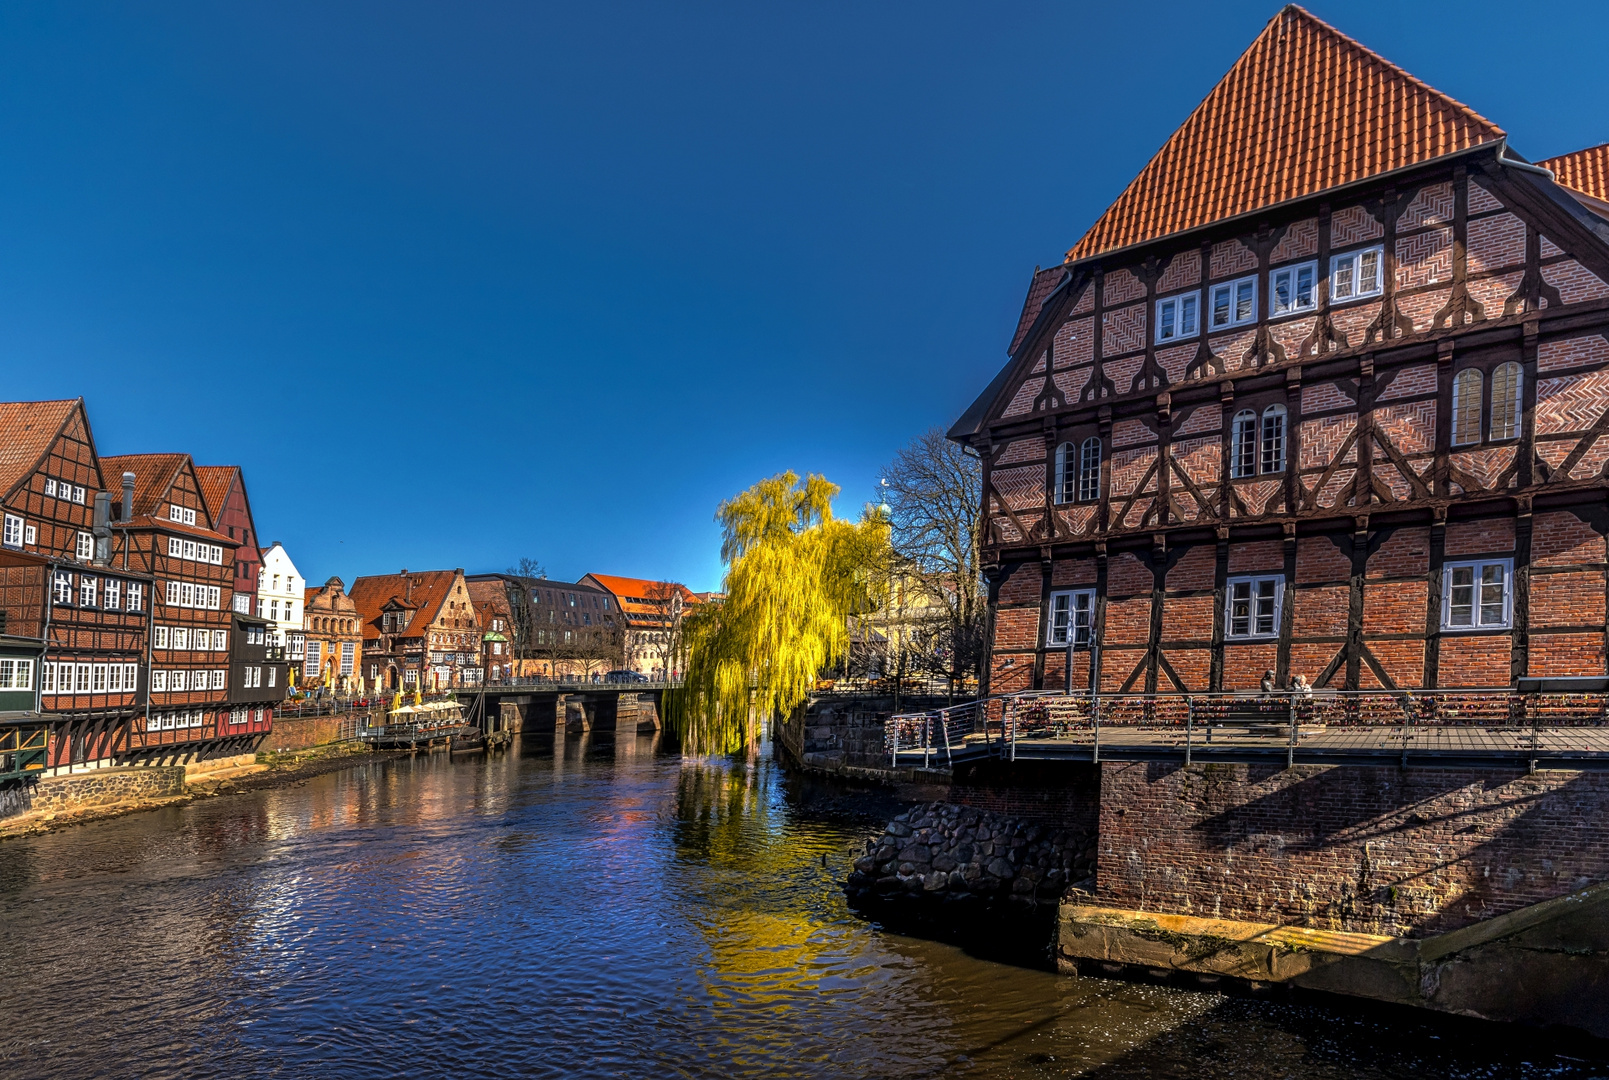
{"x": 272, "y": 769}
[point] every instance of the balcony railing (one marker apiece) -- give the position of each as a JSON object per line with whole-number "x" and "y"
{"x": 1316, "y": 726}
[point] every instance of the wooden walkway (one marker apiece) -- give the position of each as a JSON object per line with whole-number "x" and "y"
{"x": 1550, "y": 747}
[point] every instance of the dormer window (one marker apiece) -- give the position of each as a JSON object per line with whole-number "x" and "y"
{"x": 1356, "y": 275}
{"x": 1234, "y": 303}
{"x": 184, "y": 515}
{"x": 1178, "y": 317}
{"x": 1291, "y": 290}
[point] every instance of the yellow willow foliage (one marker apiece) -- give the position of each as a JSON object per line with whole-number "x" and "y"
{"x": 794, "y": 576}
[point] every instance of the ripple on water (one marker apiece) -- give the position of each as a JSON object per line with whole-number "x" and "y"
{"x": 576, "y": 912}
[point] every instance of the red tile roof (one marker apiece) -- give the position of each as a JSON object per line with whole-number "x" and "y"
{"x": 1043, "y": 284}
{"x": 630, "y": 592}
{"x": 215, "y": 481}
{"x": 1586, "y": 171}
{"x": 425, "y": 590}
{"x": 153, "y": 475}
{"x": 27, "y": 429}
{"x": 1304, "y": 109}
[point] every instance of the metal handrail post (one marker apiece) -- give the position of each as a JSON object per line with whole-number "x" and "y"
{"x": 944, "y": 721}
{"x": 1189, "y": 726}
{"x": 1290, "y": 751}
{"x": 894, "y": 757}
{"x": 927, "y": 740}
{"x": 1095, "y": 725}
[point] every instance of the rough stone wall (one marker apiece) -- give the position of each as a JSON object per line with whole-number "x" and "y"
{"x": 100, "y": 787}
{"x": 301, "y": 732}
{"x": 1406, "y": 852}
{"x": 945, "y": 851}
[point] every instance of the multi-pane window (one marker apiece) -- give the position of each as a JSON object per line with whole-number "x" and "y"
{"x": 1178, "y": 317}
{"x": 159, "y": 637}
{"x": 184, "y": 515}
{"x": 113, "y": 598}
{"x": 315, "y": 650}
{"x": 136, "y": 596}
{"x": 87, "y": 588}
{"x": 1355, "y": 275}
{"x": 86, "y": 546}
{"x": 131, "y": 677}
{"x": 1292, "y": 289}
{"x": 1505, "y": 422}
{"x": 62, "y": 587}
{"x": 82, "y": 677}
{"x": 12, "y": 536}
{"x": 99, "y": 678}
{"x": 1071, "y": 613}
{"x": 16, "y": 674}
{"x": 1089, "y": 470}
{"x": 1243, "y": 444}
{"x": 1467, "y": 407}
{"x": 1234, "y": 303}
{"x": 1273, "y": 455}
{"x": 1253, "y": 608}
{"x": 217, "y": 679}
{"x": 1078, "y": 471}
{"x": 47, "y": 678}
{"x": 159, "y": 681}
{"x": 1476, "y": 595}
{"x": 181, "y": 637}
{"x": 220, "y": 640}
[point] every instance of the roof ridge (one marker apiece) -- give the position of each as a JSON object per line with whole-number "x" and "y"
{"x": 1304, "y": 108}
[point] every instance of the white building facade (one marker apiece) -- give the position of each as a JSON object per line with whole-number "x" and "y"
{"x": 280, "y": 594}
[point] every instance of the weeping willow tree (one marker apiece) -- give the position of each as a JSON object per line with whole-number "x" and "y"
{"x": 794, "y": 575}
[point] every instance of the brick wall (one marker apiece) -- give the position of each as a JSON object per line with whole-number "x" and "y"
{"x": 301, "y": 732}
{"x": 1377, "y": 850}
{"x": 1064, "y": 795}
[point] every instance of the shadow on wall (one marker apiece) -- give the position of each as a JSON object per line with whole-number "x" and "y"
{"x": 1402, "y": 852}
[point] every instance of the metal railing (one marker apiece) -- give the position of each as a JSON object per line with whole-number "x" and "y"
{"x": 998, "y": 724}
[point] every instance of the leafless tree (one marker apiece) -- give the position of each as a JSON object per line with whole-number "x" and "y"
{"x": 933, "y": 490}
{"x": 666, "y": 643}
{"x": 527, "y": 568}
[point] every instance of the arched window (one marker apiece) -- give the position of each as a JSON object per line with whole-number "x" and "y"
{"x": 1243, "y": 444}
{"x": 1066, "y": 464}
{"x": 1505, "y": 422}
{"x": 1089, "y": 470}
{"x": 1273, "y": 457}
{"x": 1467, "y": 407}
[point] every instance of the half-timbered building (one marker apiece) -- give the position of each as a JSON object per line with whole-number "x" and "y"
{"x": 223, "y": 487}
{"x": 205, "y": 696}
{"x": 1324, "y": 392}
{"x": 420, "y": 630}
{"x": 68, "y": 580}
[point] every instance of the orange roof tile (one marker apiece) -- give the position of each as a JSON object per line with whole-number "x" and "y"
{"x": 27, "y": 428}
{"x": 1586, "y": 171}
{"x": 630, "y": 592}
{"x": 428, "y": 592}
{"x": 1043, "y": 284}
{"x": 215, "y": 481}
{"x": 153, "y": 475}
{"x": 1304, "y": 109}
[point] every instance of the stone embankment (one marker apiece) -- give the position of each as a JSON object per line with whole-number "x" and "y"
{"x": 946, "y": 852}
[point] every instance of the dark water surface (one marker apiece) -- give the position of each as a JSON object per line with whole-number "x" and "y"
{"x": 581, "y": 911}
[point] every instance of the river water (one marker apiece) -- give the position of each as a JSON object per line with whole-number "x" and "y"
{"x": 580, "y": 910}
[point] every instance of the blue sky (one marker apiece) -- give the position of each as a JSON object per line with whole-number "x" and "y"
{"x": 461, "y": 283}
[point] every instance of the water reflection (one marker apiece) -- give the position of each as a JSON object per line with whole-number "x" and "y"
{"x": 588, "y": 906}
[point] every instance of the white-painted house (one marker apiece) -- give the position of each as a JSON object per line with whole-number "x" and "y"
{"x": 279, "y": 600}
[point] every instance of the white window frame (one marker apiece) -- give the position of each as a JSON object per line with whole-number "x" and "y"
{"x": 217, "y": 679}
{"x": 1503, "y": 417}
{"x": 1477, "y": 567}
{"x": 136, "y": 597}
{"x": 1292, "y": 275}
{"x": 1065, "y": 613}
{"x": 88, "y": 590}
{"x": 220, "y": 641}
{"x": 1178, "y": 318}
{"x": 1271, "y": 451}
{"x": 159, "y": 682}
{"x": 50, "y": 487}
{"x": 81, "y": 681}
{"x": 12, "y": 537}
{"x": 1236, "y": 289}
{"x": 86, "y": 546}
{"x": 159, "y": 637}
{"x": 1353, "y": 261}
{"x": 1252, "y": 581}
{"x": 112, "y": 595}
{"x": 16, "y": 674}
{"x": 175, "y": 548}
{"x": 61, "y": 590}
{"x": 30, "y": 535}
{"x": 1244, "y": 444}
{"x": 131, "y": 678}
{"x": 1464, "y": 412}
{"x": 98, "y": 675}
{"x": 78, "y": 495}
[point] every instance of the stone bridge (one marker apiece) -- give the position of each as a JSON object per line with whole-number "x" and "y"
{"x": 565, "y": 708}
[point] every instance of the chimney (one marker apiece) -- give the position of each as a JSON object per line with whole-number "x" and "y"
{"x": 102, "y": 527}
{"x": 128, "y": 496}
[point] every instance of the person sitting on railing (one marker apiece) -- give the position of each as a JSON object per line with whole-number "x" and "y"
{"x": 1268, "y": 682}
{"x": 1299, "y": 686}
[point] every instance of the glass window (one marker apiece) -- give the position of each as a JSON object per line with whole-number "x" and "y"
{"x": 1355, "y": 275}
{"x": 1467, "y": 407}
{"x": 1089, "y": 470}
{"x": 1178, "y": 317}
{"x": 62, "y": 588}
{"x": 1273, "y": 456}
{"x": 1290, "y": 289}
{"x": 1071, "y": 611}
{"x": 1243, "y": 445}
{"x": 1476, "y": 595}
{"x": 13, "y": 531}
{"x": 1065, "y": 489}
{"x": 1253, "y": 608}
{"x": 1234, "y": 303}
{"x": 1505, "y": 423}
